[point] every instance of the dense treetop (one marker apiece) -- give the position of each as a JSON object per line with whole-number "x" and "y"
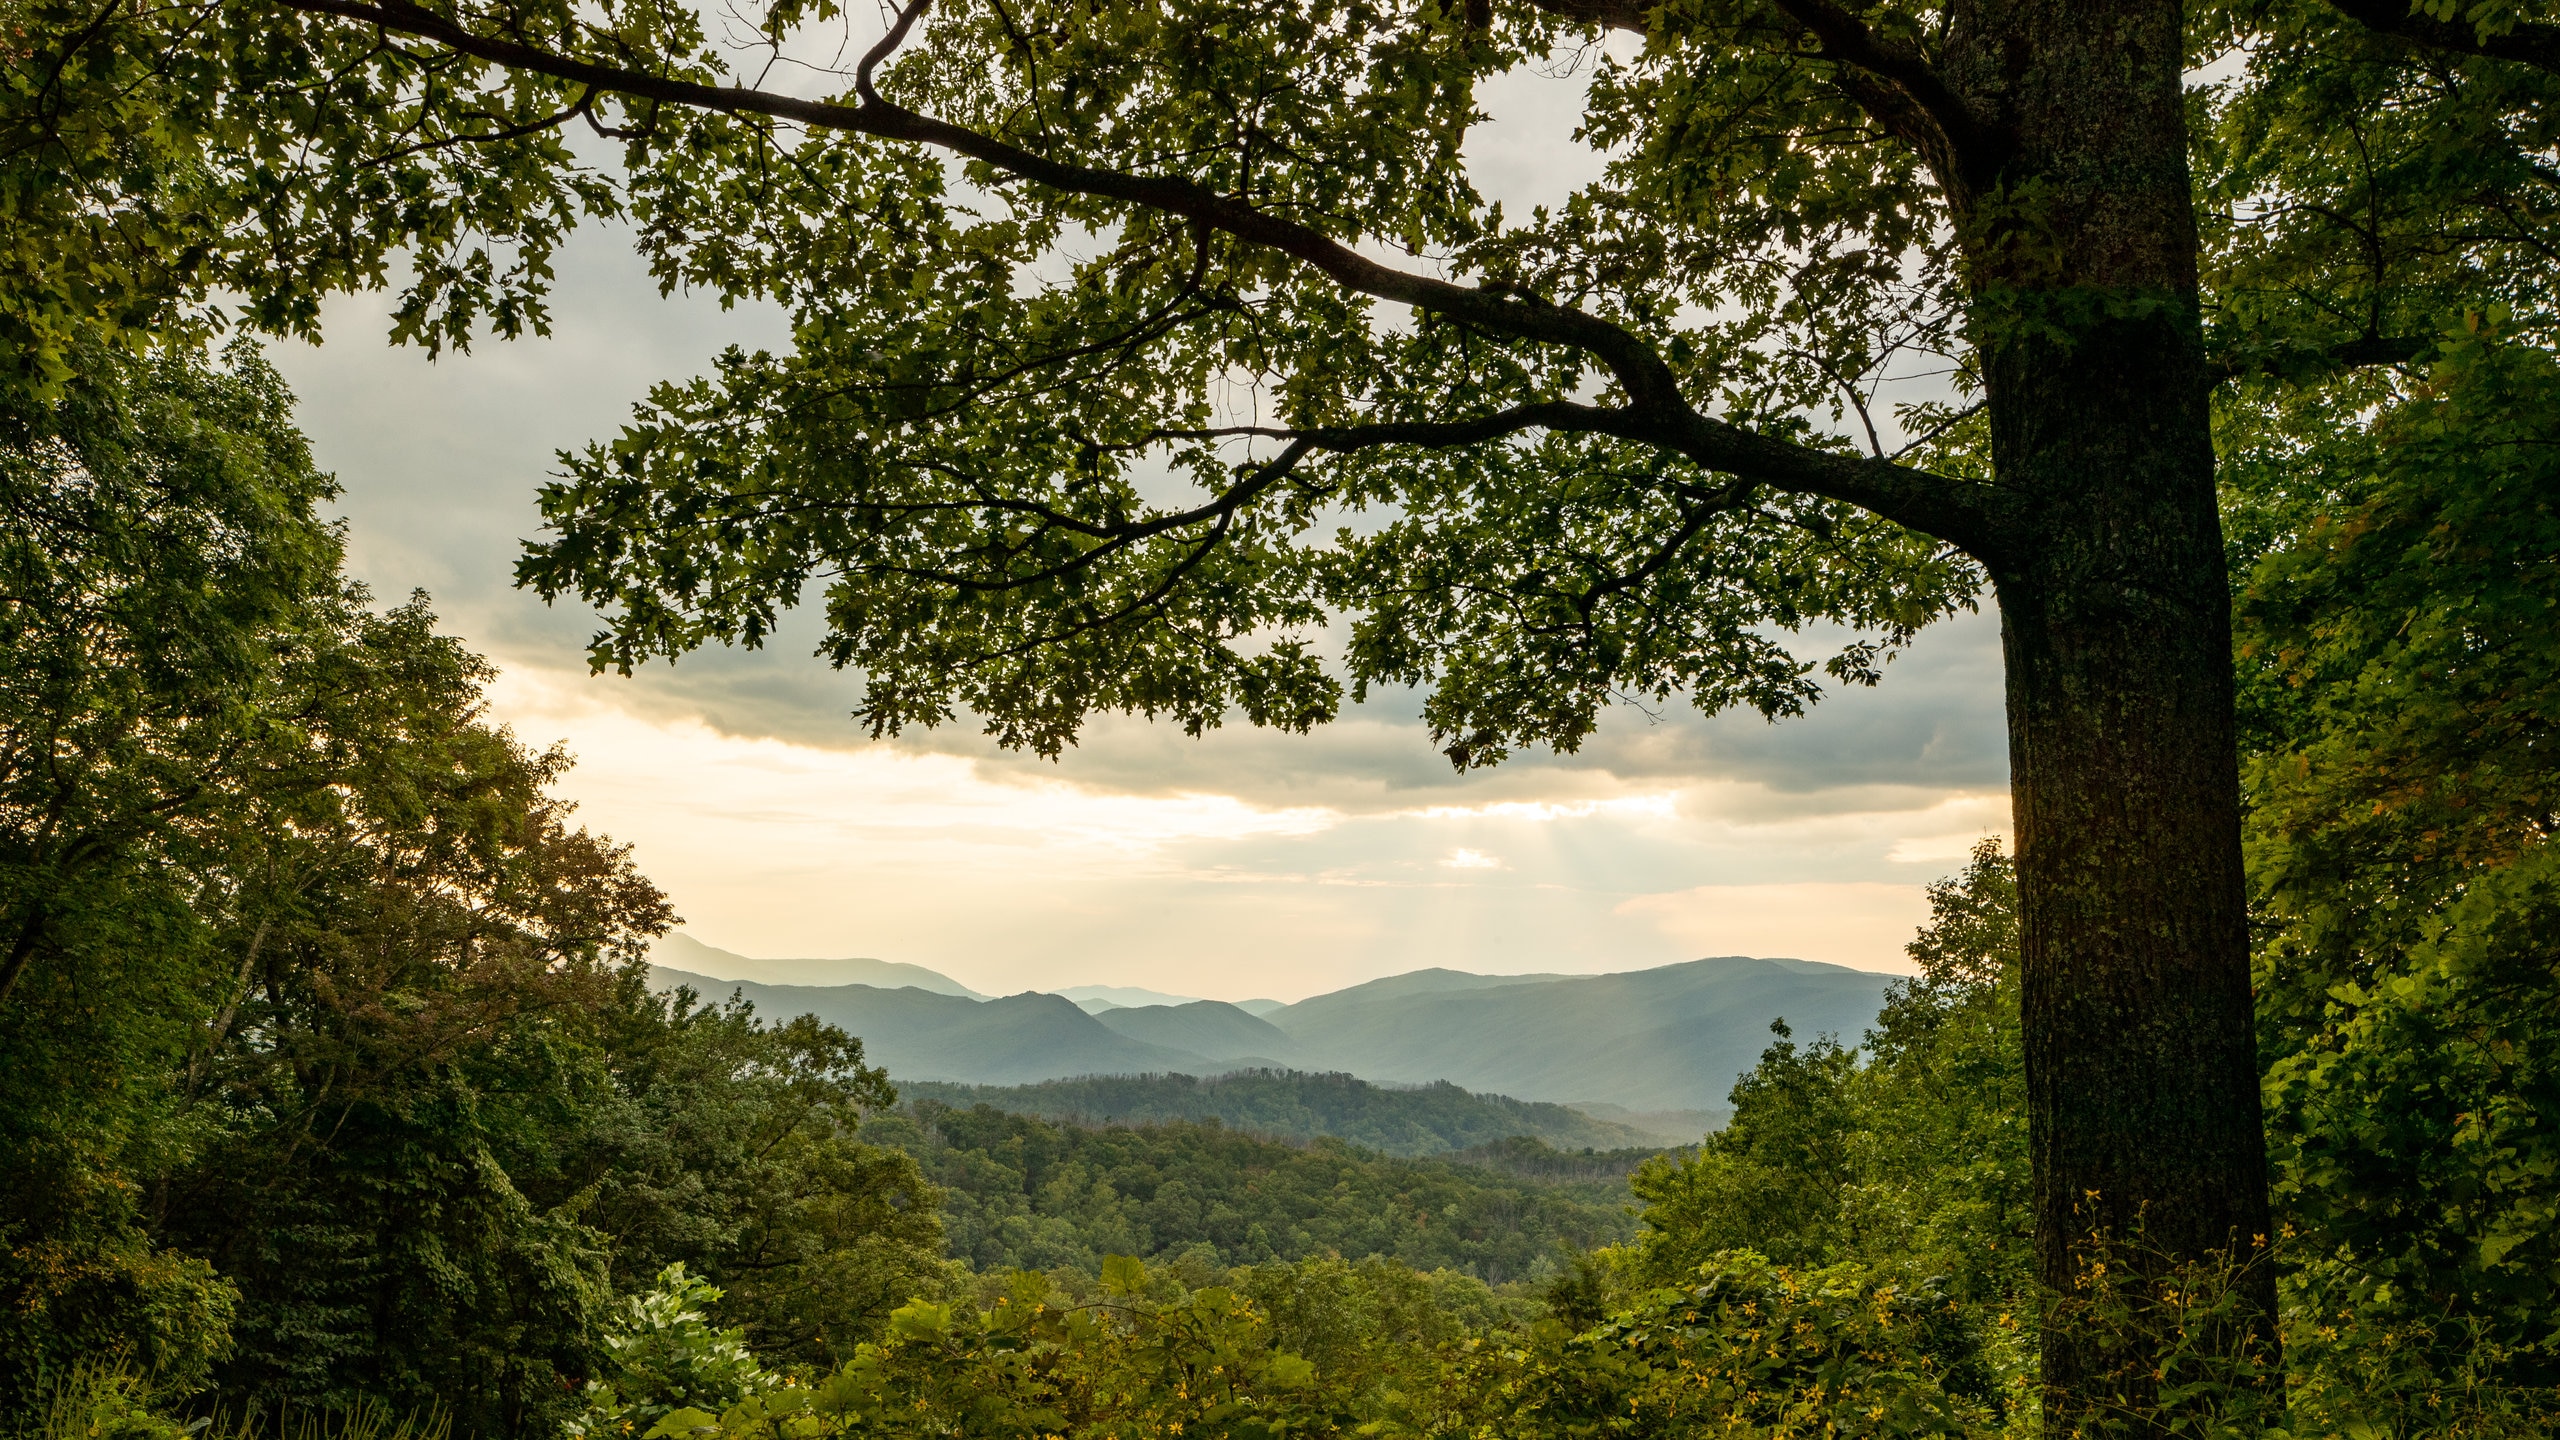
{"x": 1292, "y": 1105}
{"x": 1020, "y": 1192}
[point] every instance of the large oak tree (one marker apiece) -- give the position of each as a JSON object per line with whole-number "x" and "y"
{"x": 1107, "y": 315}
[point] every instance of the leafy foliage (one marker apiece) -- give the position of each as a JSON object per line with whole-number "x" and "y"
{"x": 1024, "y": 1193}
{"x": 1200, "y": 1364}
{"x": 665, "y": 1357}
{"x": 159, "y": 156}
{"x": 736, "y": 1150}
{"x": 333, "y": 1076}
{"x": 1748, "y": 1348}
{"x": 1912, "y": 1152}
{"x": 1293, "y": 1105}
{"x": 2399, "y": 645}
{"x": 158, "y": 542}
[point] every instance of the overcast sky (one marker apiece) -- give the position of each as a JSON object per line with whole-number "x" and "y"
{"x": 1244, "y": 864}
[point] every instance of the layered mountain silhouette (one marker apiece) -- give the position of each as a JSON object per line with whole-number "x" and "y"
{"x": 1671, "y": 1038}
{"x": 1210, "y": 1028}
{"x": 1640, "y": 1042}
{"x": 683, "y": 953}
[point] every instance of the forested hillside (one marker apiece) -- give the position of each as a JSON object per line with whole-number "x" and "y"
{"x": 1290, "y": 1105}
{"x": 1020, "y": 1192}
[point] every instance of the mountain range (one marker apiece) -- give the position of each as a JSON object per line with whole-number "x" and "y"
{"x": 1628, "y": 1045}
{"x": 680, "y": 951}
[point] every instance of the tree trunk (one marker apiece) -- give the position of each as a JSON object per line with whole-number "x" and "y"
{"x": 2115, "y": 621}
{"x": 2141, "y": 1073}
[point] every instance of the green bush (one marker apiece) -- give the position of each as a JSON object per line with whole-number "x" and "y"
{"x": 667, "y": 1357}
{"x": 102, "y": 1400}
{"x": 1748, "y": 1349}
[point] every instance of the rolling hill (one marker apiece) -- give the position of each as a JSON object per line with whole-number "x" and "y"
{"x": 1209, "y": 1028}
{"x": 1671, "y": 1038}
{"x": 1289, "y": 1105}
{"x": 919, "y": 1035}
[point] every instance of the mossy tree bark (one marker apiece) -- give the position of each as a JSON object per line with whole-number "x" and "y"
{"x": 2141, "y": 1072}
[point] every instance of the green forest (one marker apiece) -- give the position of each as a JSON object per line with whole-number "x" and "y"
{"x": 1020, "y": 1193}
{"x": 1162, "y": 359}
{"x": 1395, "y": 1120}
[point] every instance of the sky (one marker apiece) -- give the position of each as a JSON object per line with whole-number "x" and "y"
{"x": 1242, "y": 864}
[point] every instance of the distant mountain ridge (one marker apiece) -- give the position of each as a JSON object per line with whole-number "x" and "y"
{"x": 1669, "y": 1038}
{"x": 917, "y": 1034}
{"x": 1643, "y": 1042}
{"x": 1097, "y": 998}
{"x": 682, "y": 952}
{"x": 1211, "y": 1028}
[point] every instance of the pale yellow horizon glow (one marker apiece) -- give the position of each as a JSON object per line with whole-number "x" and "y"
{"x": 1009, "y": 881}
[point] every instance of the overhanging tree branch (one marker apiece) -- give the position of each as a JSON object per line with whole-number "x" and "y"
{"x": 1627, "y": 15}
{"x": 1966, "y": 147}
{"x": 1890, "y": 79}
{"x": 1964, "y": 512}
{"x": 2529, "y": 42}
{"x": 1656, "y": 413}
{"x": 2361, "y": 353}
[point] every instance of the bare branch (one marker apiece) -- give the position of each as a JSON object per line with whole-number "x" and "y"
{"x": 1627, "y": 15}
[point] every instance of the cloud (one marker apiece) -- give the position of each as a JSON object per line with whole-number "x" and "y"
{"x": 1007, "y": 881}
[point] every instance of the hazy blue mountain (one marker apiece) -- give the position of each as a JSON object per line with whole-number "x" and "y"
{"x": 1663, "y": 1045}
{"x": 1258, "y": 1008}
{"x": 1671, "y": 1038}
{"x": 1412, "y": 982}
{"x": 682, "y": 952}
{"x": 1290, "y": 1105}
{"x": 1097, "y": 998}
{"x": 919, "y": 1035}
{"x": 1212, "y": 1028}
{"x": 1667, "y": 1127}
